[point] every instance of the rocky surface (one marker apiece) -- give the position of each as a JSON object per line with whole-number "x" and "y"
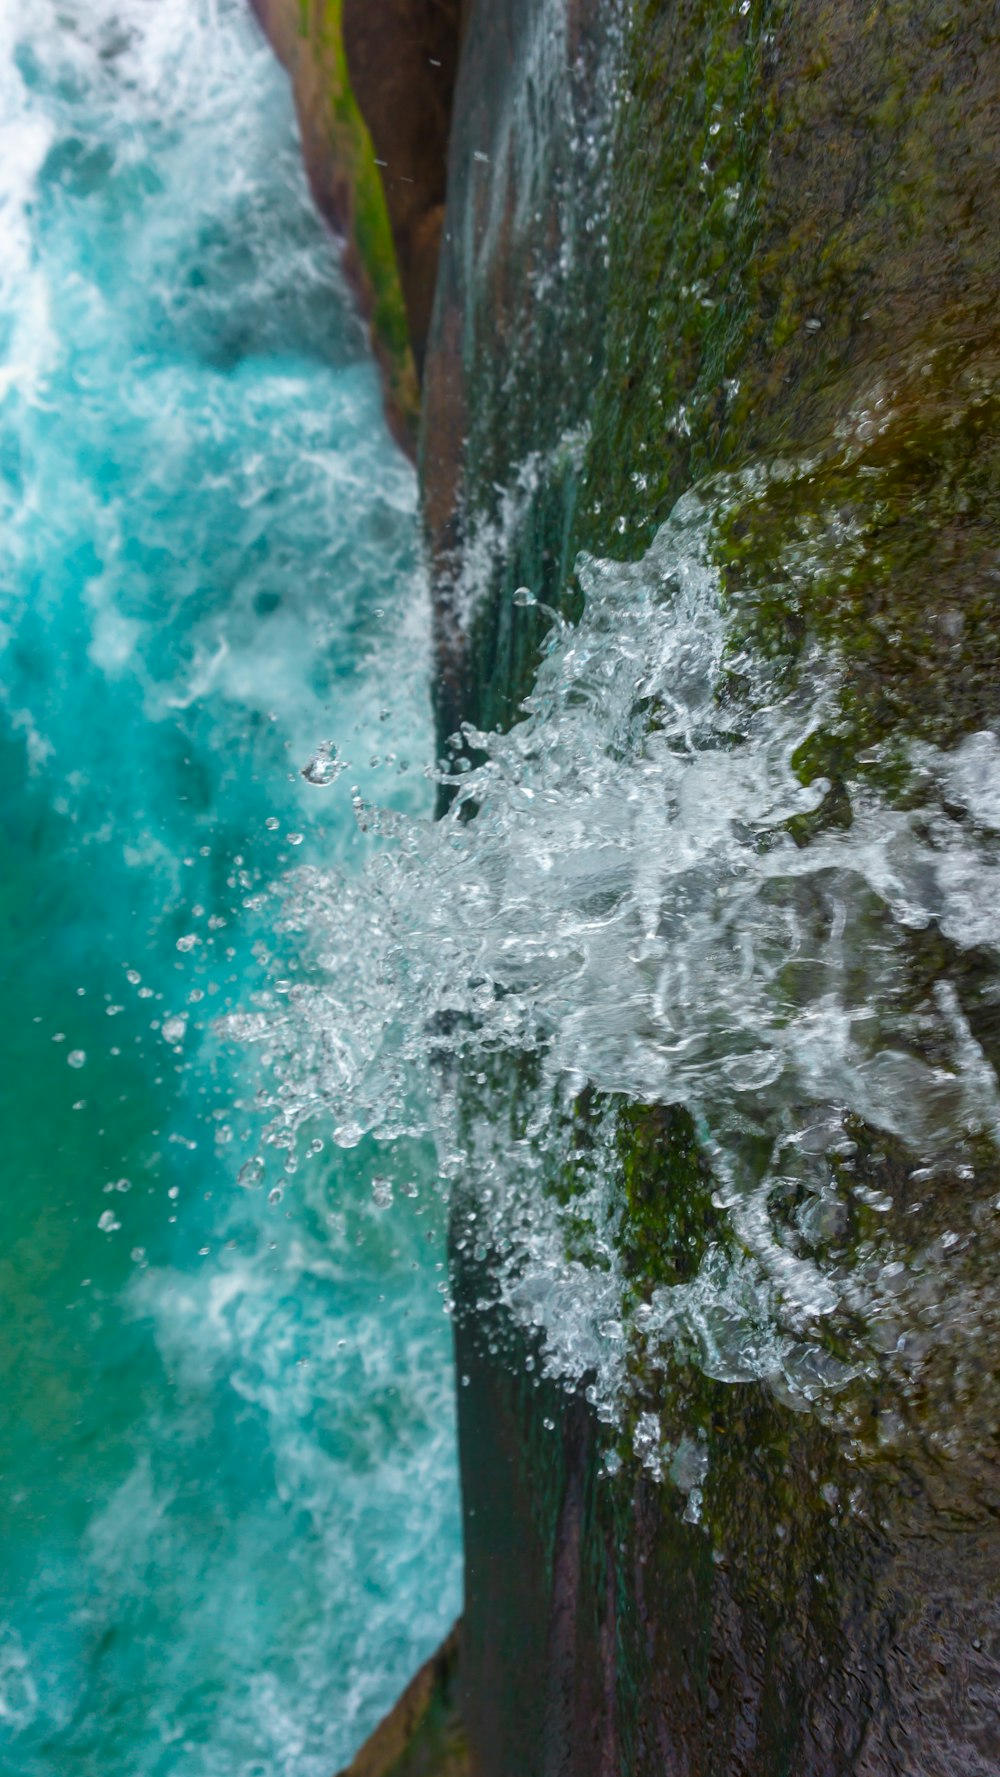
{"x": 401, "y": 58}
{"x": 423, "y": 1735}
{"x": 790, "y": 252}
{"x": 373, "y": 82}
{"x": 683, "y": 239}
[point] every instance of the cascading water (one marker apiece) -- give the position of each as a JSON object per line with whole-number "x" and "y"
{"x": 624, "y": 899}
{"x": 231, "y": 1520}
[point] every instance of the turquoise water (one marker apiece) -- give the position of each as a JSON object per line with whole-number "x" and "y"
{"x": 226, "y": 1419}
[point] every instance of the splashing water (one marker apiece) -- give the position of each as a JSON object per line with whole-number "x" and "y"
{"x": 620, "y": 894}
{"x": 227, "y": 1437}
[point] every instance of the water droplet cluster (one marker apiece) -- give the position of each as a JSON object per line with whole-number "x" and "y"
{"x": 619, "y": 901}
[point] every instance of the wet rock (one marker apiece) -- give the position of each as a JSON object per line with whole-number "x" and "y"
{"x": 373, "y": 85}
{"x": 753, "y": 248}
{"x": 692, "y": 239}
{"x": 401, "y": 58}
{"x": 422, "y": 1735}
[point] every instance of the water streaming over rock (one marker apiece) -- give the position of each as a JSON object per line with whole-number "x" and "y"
{"x": 637, "y": 893}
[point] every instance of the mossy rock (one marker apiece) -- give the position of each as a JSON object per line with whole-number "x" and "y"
{"x": 308, "y": 36}
{"x": 794, "y": 262}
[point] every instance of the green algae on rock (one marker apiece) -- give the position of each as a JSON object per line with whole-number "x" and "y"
{"x": 308, "y": 36}
{"x": 715, "y": 305}
{"x": 798, "y": 266}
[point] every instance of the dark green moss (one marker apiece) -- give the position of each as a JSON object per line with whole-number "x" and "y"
{"x": 669, "y": 1218}
{"x": 803, "y": 226}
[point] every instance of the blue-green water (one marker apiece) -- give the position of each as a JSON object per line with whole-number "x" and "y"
{"x": 226, "y": 1418}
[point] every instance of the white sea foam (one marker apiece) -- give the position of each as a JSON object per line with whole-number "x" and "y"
{"x": 208, "y": 562}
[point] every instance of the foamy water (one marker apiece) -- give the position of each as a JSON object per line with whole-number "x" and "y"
{"x": 227, "y": 1440}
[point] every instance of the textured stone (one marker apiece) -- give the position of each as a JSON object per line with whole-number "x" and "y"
{"x": 681, "y": 236}
{"x": 422, "y": 1735}
{"x": 373, "y": 83}
{"x": 794, "y": 239}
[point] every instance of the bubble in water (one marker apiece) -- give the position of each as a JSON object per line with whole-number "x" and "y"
{"x": 381, "y": 1192}
{"x": 524, "y": 596}
{"x": 251, "y": 1173}
{"x": 324, "y": 767}
{"x": 76, "y": 1057}
{"x": 188, "y": 942}
{"x": 348, "y": 1135}
{"x": 174, "y": 1029}
{"x": 108, "y": 1222}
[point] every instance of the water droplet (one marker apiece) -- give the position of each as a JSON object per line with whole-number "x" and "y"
{"x": 692, "y": 1511}
{"x": 324, "y": 767}
{"x": 524, "y": 596}
{"x": 348, "y": 1135}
